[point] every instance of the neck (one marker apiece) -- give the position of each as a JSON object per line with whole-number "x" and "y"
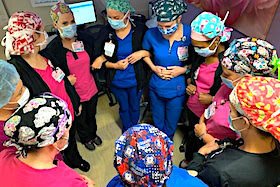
{"x": 214, "y": 58}
{"x": 40, "y": 159}
{"x": 256, "y": 143}
{"x": 5, "y": 114}
{"x": 211, "y": 59}
{"x": 35, "y": 60}
{"x": 68, "y": 40}
{"x": 31, "y": 55}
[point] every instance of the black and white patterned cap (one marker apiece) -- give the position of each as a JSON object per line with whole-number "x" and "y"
{"x": 169, "y": 10}
{"x": 41, "y": 122}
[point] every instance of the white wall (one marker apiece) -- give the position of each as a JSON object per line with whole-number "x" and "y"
{"x": 141, "y": 6}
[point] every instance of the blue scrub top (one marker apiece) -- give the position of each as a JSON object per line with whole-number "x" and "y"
{"x": 165, "y": 56}
{"x": 178, "y": 178}
{"x": 125, "y": 78}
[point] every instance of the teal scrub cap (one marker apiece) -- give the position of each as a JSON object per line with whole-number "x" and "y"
{"x": 169, "y": 10}
{"x": 8, "y": 82}
{"x": 120, "y": 5}
{"x": 207, "y": 26}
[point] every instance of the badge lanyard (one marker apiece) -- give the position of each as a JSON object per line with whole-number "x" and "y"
{"x": 57, "y": 73}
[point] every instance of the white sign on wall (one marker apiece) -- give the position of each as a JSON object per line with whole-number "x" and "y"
{"x": 38, "y": 3}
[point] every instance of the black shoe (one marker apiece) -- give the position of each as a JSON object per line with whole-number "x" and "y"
{"x": 82, "y": 165}
{"x": 97, "y": 140}
{"x": 182, "y": 148}
{"x": 90, "y": 145}
{"x": 183, "y": 164}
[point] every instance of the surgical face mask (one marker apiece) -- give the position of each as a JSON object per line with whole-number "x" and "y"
{"x": 118, "y": 24}
{"x": 229, "y": 83}
{"x": 169, "y": 31}
{"x": 43, "y": 45}
{"x": 232, "y": 127}
{"x": 230, "y": 121}
{"x": 69, "y": 31}
{"x": 22, "y": 100}
{"x": 206, "y": 52}
{"x": 65, "y": 146}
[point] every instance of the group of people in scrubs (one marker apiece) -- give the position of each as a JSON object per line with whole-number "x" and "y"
{"x": 126, "y": 48}
{"x": 49, "y": 93}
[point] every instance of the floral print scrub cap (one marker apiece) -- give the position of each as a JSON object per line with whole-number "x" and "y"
{"x": 258, "y": 98}
{"x": 207, "y": 26}
{"x": 19, "y": 36}
{"x": 8, "y": 82}
{"x": 140, "y": 153}
{"x": 41, "y": 122}
{"x": 251, "y": 56}
{"x": 169, "y": 10}
{"x": 58, "y": 9}
{"x": 120, "y": 5}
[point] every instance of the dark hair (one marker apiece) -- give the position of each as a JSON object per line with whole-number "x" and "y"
{"x": 268, "y": 135}
{"x": 28, "y": 149}
{"x": 263, "y": 133}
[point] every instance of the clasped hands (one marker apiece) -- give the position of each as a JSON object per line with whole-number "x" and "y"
{"x": 121, "y": 64}
{"x": 169, "y": 72}
{"x": 131, "y": 59}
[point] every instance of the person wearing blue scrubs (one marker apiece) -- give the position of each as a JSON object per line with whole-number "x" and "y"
{"x": 122, "y": 55}
{"x": 149, "y": 162}
{"x": 168, "y": 43}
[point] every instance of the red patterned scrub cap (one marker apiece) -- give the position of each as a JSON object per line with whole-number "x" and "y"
{"x": 258, "y": 98}
{"x": 19, "y": 38}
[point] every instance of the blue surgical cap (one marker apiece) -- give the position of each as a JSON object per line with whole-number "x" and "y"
{"x": 9, "y": 78}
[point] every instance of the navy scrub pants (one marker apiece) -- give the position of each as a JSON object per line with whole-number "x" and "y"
{"x": 166, "y": 112}
{"x": 129, "y": 102}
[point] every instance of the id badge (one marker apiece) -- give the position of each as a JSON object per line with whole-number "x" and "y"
{"x": 210, "y": 111}
{"x": 109, "y": 49}
{"x": 183, "y": 53}
{"x": 78, "y": 46}
{"x": 58, "y": 74}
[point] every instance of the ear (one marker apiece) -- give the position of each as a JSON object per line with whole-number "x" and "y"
{"x": 35, "y": 36}
{"x": 127, "y": 18}
{"x": 54, "y": 145}
{"x": 247, "y": 122}
{"x": 57, "y": 144}
{"x": 179, "y": 19}
{"x": 216, "y": 43}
